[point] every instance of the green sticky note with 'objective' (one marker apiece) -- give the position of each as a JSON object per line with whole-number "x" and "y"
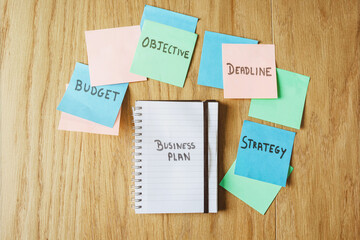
{"x": 257, "y": 194}
{"x": 163, "y": 53}
{"x": 288, "y": 108}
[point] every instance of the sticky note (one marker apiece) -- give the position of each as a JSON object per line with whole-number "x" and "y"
{"x": 164, "y": 53}
{"x": 249, "y": 71}
{"x": 264, "y": 153}
{"x": 210, "y": 72}
{"x": 170, "y": 18}
{"x": 72, "y": 123}
{"x": 288, "y": 108}
{"x": 96, "y": 104}
{"x": 110, "y": 54}
{"x": 258, "y": 195}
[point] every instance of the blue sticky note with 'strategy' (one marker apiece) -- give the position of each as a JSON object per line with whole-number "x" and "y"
{"x": 170, "y": 18}
{"x": 264, "y": 153}
{"x": 99, "y": 104}
{"x": 210, "y": 72}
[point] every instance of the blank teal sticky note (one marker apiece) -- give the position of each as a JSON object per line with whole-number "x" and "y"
{"x": 170, "y": 18}
{"x": 210, "y": 71}
{"x": 99, "y": 104}
{"x": 258, "y": 195}
{"x": 164, "y": 53}
{"x": 288, "y": 108}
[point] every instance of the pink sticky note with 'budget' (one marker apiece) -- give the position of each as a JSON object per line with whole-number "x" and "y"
{"x": 73, "y": 123}
{"x": 249, "y": 71}
{"x": 110, "y": 55}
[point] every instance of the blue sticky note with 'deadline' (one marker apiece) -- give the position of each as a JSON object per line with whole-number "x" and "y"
{"x": 264, "y": 153}
{"x": 210, "y": 72}
{"x": 170, "y": 18}
{"x": 99, "y": 104}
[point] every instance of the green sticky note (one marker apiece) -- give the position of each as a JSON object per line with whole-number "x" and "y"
{"x": 288, "y": 108}
{"x": 164, "y": 53}
{"x": 257, "y": 194}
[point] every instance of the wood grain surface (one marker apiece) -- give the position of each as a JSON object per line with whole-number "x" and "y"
{"x": 65, "y": 185}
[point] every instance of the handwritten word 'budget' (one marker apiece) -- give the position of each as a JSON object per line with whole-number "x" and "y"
{"x": 101, "y": 92}
{"x": 257, "y": 71}
{"x": 261, "y": 146}
{"x": 165, "y": 47}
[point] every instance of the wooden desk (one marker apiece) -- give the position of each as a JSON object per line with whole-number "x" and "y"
{"x": 62, "y": 185}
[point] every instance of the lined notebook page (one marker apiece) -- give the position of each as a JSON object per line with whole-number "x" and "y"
{"x": 172, "y": 179}
{"x": 213, "y": 113}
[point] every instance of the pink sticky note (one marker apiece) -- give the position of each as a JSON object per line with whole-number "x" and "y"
{"x": 73, "y": 123}
{"x": 110, "y": 55}
{"x": 249, "y": 71}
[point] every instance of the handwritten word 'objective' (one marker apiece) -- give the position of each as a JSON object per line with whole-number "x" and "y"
{"x": 164, "y": 47}
{"x": 101, "y": 92}
{"x": 261, "y": 146}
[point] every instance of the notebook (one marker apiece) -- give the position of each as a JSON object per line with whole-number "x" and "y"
{"x": 175, "y": 157}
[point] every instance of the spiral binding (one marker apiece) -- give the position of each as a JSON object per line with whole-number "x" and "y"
{"x": 136, "y": 186}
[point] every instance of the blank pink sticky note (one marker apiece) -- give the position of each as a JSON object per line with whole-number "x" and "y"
{"x": 249, "y": 71}
{"x": 73, "y": 123}
{"x": 110, "y": 55}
